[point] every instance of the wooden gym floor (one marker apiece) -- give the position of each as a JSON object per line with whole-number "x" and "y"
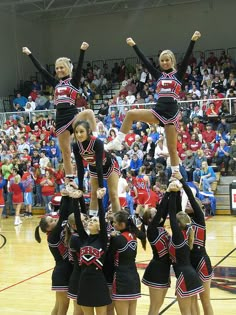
{"x": 25, "y": 270}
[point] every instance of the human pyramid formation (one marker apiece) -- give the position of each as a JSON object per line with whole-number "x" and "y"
{"x": 95, "y": 256}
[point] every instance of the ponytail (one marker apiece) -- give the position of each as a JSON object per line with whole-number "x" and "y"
{"x": 185, "y": 224}
{"x": 132, "y": 228}
{"x": 37, "y": 235}
{"x": 190, "y": 234}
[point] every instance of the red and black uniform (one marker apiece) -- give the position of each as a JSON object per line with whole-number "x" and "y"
{"x": 188, "y": 282}
{"x": 56, "y": 243}
{"x": 65, "y": 94}
{"x": 168, "y": 87}
{"x": 101, "y": 163}
{"x": 93, "y": 290}
{"x": 17, "y": 191}
{"x": 199, "y": 258}
{"x": 126, "y": 282}
{"x": 157, "y": 273}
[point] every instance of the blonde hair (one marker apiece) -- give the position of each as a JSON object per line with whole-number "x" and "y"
{"x": 17, "y": 179}
{"x": 169, "y": 54}
{"x": 66, "y": 62}
{"x": 185, "y": 224}
{"x": 68, "y": 233}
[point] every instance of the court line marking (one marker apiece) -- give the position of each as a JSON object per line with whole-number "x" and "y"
{"x": 219, "y": 262}
{"x": 15, "y": 284}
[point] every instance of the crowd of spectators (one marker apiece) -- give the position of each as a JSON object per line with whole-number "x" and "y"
{"x": 204, "y": 134}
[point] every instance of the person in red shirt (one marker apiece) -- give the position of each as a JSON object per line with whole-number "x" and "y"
{"x": 25, "y": 158}
{"x": 36, "y": 132}
{"x": 212, "y": 111}
{"x": 130, "y": 138}
{"x": 182, "y": 151}
{"x": 27, "y": 181}
{"x": 41, "y": 122}
{"x": 197, "y": 124}
{"x": 185, "y": 133}
{"x": 17, "y": 190}
{"x": 179, "y": 142}
{"x": 194, "y": 143}
{"x": 48, "y": 189}
{"x": 209, "y": 135}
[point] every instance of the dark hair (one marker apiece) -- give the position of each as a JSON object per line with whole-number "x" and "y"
{"x": 124, "y": 217}
{"x": 43, "y": 225}
{"x": 83, "y": 123}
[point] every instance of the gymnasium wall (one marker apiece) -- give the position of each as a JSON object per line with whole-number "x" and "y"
{"x": 153, "y": 29}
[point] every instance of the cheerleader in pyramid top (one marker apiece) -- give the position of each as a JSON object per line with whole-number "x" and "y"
{"x": 168, "y": 88}
{"x": 73, "y": 242}
{"x": 126, "y": 283}
{"x": 102, "y": 165}
{"x": 93, "y": 293}
{"x": 199, "y": 257}
{"x": 157, "y": 273}
{"x": 56, "y": 243}
{"x": 65, "y": 94}
{"x": 188, "y": 284}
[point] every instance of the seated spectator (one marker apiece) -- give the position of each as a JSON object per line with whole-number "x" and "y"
{"x": 198, "y": 159}
{"x": 153, "y": 133}
{"x": 232, "y": 154}
{"x": 34, "y": 94}
{"x": 125, "y": 164}
{"x": 209, "y": 135}
{"x": 223, "y": 125}
{"x": 205, "y": 90}
{"x": 196, "y": 112}
{"x": 135, "y": 164}
{"x": 212, "y": 59}
{"x": 212, "y": 111}
{"x": 19, "y": 102}
{"x": 130, "y": 138}
{"x": 36, "y": 86}
{"x": 197, "y": 124}
{"x": 194, "y": 143}
{"x": 208, "y": 176}
{"x": 111, "y": 135}
{"x": 217, "y": 84}
{"x": 149, "y": 146}
{"x": 41, "y": 102}
{"x": 220, "y": 135}
{"x": 130, "y": 98}
{"x": 217, "y": 95}
{"x": 195, "y": 91}
{"x": 31, "y": 102}
{"x": 80, "y": 101}
{"x": 182, "y": 151}
{"x": 188, "y": 164}
{"x": 209, "y": 153}
{"x": 161, "y": 153}
{"x": 103, "y": 111}
{"x": 136, "y": 150}
{"x": 223, "y": 156}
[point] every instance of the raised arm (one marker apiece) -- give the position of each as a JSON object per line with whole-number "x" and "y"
{"x": 198, "y": 214}
{"x": 79, "y": 165}
{"x": 162, "y": 212}
{"x": 47, "y": 75}
{"x": 77, "y": 74}
{"x": 184, "y": 64}
{"x": 77, "y": 211}
{"x": 103, "y": 230}
{"x": 99, "y": 151}
{"x": 151, "y": 69}
{"x": 177, "y": 235}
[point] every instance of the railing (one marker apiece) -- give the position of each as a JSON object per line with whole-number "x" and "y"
{"x": 231, "y": 102}
{"x": 217, "y": 52}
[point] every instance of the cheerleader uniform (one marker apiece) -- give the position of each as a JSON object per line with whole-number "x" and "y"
{"x": 188, "y": 283}
{"x": 101, "y": 163}
{"x": 126, "y": 283}
{"x": 168, "y": 88}
{"x": 157, "y": 273}
{"x": 108, "y": 266}
{"x": 56, "y": 243}
{"x": 199, "y": 258}
{"x": 93, "y": 290}
{"x": 65, "y": 94}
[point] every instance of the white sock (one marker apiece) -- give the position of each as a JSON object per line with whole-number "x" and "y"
{"x": 121, "y": 136}
{"x": 95, "y": 134}
{"x": 174, "y": 169}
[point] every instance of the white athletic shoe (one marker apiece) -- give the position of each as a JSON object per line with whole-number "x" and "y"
{"x": 114, "y": 145}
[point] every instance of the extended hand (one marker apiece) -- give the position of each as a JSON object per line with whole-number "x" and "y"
{"x": 26, "y": 51}
{"x": 130, "y": 41}
{"x": 101, "y": 192}
{"x": 196, "y": 36}
{"x": 84, "y": 46}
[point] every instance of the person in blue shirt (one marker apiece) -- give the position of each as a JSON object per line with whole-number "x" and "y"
{"x": 21, "y": 100}
{"x": 222, "y": 156}
{"x": 208, "y": 176}
{"x": 135, "y": 164}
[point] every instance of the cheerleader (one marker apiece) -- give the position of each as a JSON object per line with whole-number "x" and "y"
{"x": 56, "y": 243}
{"x": 93, "y": 293}
{"x": 126, "y": 283}
{"x": 199, "y": 257}
{"x": 65, "y": 95}
{"x": 101, "y": 165}
{"x": 157, "y": 273}
{"x": 168, "y": 88}
{"x": 73, "y": 242}
{"x": 188, "y": 284}
{"x": 17, "y": 190}
{"x": 142, "y": 184}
